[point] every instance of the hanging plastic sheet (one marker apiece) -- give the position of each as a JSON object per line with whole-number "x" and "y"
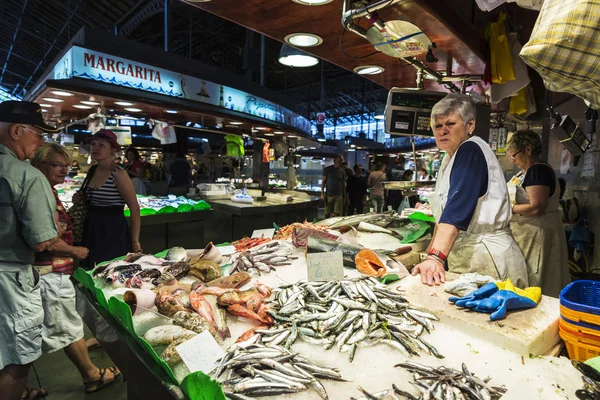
{"x": 563, "y": 48}
{"x": 501, "y": 59}
{"x": 235, "y": 146}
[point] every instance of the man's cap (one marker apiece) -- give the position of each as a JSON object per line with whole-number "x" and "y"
{"x": 24, "y": 112}
{"x": 107, "y": 135}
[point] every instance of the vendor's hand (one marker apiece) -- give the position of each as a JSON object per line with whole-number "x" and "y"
{"x": 322, "y": 197}
{"x": 80, "y": 253}
{"x": 432, "y": 272}
{"x": 78, "y": 197}
{"x": 136, "y": 247}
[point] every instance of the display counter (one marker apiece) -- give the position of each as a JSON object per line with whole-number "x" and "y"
{"x": 233, "y": 220}
{"x": 162, "y": 231}
{"x": 145, "y": 379}
{"x": 510, "y": 352}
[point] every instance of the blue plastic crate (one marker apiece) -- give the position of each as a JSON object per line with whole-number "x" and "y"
{"x": 582, "y": 296}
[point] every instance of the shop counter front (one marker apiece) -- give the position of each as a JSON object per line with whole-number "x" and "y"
{"x": 163, "y": 231}
{"x": 233, "y": 220}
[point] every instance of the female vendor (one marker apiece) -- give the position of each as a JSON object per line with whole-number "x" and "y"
{"x": 536, "y": 224}
{"x": 470, "y": 203}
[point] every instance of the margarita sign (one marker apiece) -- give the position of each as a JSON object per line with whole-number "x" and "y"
{"x": 79, "y": 62}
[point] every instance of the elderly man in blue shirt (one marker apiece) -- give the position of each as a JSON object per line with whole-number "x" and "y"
{"x": 27, "y": 212}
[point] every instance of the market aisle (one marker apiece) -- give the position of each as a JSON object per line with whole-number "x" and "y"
{"x": 57, "y": 374}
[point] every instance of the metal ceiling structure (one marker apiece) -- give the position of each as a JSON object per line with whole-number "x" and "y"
{"x": 34, "y": 32}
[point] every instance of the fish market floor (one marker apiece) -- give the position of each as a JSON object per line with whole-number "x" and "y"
{"x": 58, "y": 374}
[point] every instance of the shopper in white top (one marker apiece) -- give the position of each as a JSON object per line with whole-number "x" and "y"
{"x": 470, "y": 203}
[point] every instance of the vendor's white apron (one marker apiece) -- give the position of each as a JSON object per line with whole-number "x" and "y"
{"x": 487, "y": 246}
{"x": 542, "y": 240}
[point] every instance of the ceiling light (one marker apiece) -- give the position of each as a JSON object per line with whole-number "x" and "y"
{"x": 292, "y": 136}
{"x": 90, "y": 103}
{"x": 321, "y": 140}
{"x": 61, "y": 93}
{"x": 351, "y": 149}
{"x": 81, "y": 106}
{"x": 44, "y": 110}
{"x": 124, "y": 103}
{"x": 368, "y": 70}
{"x": 303, "y": 39}
{"x": 352, "y": 145}
{"x": 312, "y": 148}
{"x": 45, "y": 105}
{"x": 312, "y": 2}
{"x": 296, "y": 58}
{"x": 171, "y": 111}
{"x": 278, "y": 132}
{"x": 132, "y": 109}
{"x": 236, "y": 123}
{"x": 53, "y": 100}
{"x": 269, "y": 134}
{"x": 261, "y": 128}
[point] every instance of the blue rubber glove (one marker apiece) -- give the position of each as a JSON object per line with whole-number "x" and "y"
{"x": 473, "y": 299}
{"x": 501, "y": 302}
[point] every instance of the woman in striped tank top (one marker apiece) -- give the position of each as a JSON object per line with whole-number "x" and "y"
{"x": 106, "y": 232}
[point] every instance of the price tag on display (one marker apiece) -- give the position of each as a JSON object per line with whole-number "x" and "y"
{"x": 268, "y": 233}
{"x": 225, "y": 250}
{"x": 200, "y": 353}
{"x": 325, "y": 266}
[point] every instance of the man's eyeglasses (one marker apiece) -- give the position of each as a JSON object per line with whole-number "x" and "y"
{"x": 41, "y": 135}
{"x": 513, "y": 157}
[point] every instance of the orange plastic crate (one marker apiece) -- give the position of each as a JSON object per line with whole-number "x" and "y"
{"x": 580, "y": 346}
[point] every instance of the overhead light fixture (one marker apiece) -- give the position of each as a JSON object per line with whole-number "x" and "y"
{"x": 369, "y": 70}
{"x": 82, "y": 107}
{"x": 269, "y": 134}
{"x": 236, "y": 123}
{"x": 380, "y": 112}
{"x": 45, "y": 105}
{"x": 62, "y": 93}
{"x": 312, "y": 2}
{"x": 133, "y": 109}
{"x": 352, "y": 145}
{"x": 278, "y": 132}
{"x": 303, "y": 39}
{"x": 53, "y": 100}
{"x": 44, "y": 110}
{"x": 124, "y": 103}
{"x": 322, "y": 140}
{"x": 90, "y": 103}
{"x": 293, "y": 57}
{"x": 292, "y": 136}
{"x": 351, "y": 149}
{"x": 171, "y": 111}
{"x": 261, "y": 128}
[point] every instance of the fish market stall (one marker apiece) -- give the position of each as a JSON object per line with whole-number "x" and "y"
{"x": 277, "y": 333}
{"x": 238, "y": 219}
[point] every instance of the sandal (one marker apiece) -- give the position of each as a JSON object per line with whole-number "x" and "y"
{"x": 34, "y": 393}
{"x": 94, "y": 386}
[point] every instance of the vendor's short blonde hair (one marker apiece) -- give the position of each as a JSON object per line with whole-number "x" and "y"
{"x": 523, "y": 138}
{"x": 454, "y": 103}
{"x": 44, "y": 153}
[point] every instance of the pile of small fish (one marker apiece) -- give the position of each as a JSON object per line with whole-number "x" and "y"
{"x": 440, "y": 383}
{"x": 258, "y": 370}
{"x": 345, "y": 313}
{"x": 261, "y": 259}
